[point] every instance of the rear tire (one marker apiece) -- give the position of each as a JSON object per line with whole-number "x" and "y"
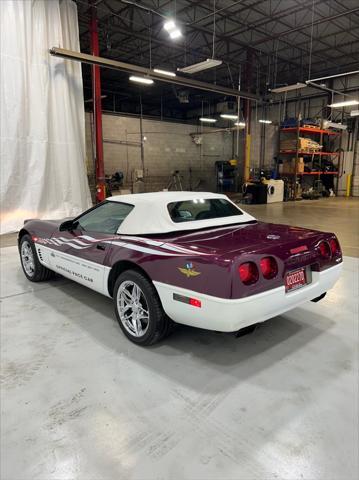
{"x": 32, "y": 268}
{"x": 138, "y": 309}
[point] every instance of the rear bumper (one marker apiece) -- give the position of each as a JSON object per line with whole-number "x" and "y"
{"x": 226, "y": 315}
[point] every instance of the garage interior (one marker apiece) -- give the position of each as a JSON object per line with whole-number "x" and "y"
{"x": 258, "y": 100}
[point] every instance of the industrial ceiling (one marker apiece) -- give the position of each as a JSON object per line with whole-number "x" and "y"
{"x": 263, "y": 44}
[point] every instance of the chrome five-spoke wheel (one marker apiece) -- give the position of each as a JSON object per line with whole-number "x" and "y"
{"x": 27, "y": 258}
{"x": 138, "y": 308}
{"x": 133, "y": 308}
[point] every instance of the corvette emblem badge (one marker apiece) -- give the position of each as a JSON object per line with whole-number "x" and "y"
{"x": 273, "y": 237}
{"x": 189, "y": 270}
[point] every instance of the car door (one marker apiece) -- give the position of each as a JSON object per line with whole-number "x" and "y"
{"x": 81, "y": 251}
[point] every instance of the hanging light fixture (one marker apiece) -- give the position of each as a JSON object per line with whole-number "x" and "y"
{"x": 207, "y": 120}
{"x": 172, "y": 29}
{"x": 143, "y": 80}
{"x": 209, "y": 62}
{"x": 164, "y": 72}
{"x": 198, "y": 67}
{"x": 229, "y": 116}
{"x": 346, "y": 103}
{"x": 288, "y": 88}
{"x": 169, "y": 25}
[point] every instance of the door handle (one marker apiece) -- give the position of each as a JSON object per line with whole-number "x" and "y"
{"x": 101, "y": 246}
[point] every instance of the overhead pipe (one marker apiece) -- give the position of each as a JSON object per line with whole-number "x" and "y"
{"x": 214, "y": 130}
{"x": 345, "y": 74}
{"x": 313, "y": 83}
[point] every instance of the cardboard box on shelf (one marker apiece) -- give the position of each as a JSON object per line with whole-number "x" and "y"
{"x": 300, "y": 165}
{"x": 305, "y": 144}
{"x": 288, "y": 166}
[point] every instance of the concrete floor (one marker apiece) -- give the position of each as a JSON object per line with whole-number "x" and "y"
{"x": 79, "y": 401}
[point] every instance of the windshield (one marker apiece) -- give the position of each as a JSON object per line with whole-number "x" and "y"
{"x": 201, "y": 209}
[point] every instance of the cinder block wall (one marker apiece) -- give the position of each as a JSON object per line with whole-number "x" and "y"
{"x": 168, "y": 147}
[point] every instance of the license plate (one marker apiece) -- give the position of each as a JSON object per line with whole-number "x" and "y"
{"x": 295, "y": 279}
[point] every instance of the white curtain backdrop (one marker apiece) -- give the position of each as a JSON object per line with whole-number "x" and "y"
{"x": 42, "y": 118}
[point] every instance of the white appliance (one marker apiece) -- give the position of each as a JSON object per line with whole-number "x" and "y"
{"x": 275, "y": 190}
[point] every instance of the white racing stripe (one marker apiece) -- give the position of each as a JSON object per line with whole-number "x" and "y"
{"x": 94, "y": 240}
{"x": 58, "y": 242}
{"x": 147, "y": 241}
{"x": 167, "y": 246}
{"x": 139, "y": 248}
{"x": 81, "y": 245}
{"x": 68, "y": 240}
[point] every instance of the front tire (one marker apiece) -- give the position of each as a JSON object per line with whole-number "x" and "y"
{"x": 33, "y": 270}
{"x": 138, "y": 309}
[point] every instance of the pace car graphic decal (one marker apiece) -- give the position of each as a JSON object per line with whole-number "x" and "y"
{"x": 153, "y": 247}
{"x": 189, "y": 270}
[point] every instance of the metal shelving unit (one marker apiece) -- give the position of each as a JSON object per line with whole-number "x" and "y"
{"x": 298, "y": 130}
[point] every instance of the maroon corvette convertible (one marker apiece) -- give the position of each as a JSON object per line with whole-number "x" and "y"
{"x": 186, "y": 257}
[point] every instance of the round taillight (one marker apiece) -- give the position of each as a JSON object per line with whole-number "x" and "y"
{"x": 334, "y": 246}
{"x": 269, "y": 267}
{"x": 324, "y": 250}
{"x": 248, "y": 273}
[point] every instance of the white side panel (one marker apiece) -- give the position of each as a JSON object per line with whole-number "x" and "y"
{"x": 43, "y": 254}
{"x": 82, "y": 271}
{"x": 227, "y": 315}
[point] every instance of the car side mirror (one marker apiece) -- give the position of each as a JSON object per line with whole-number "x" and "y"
{"x": 67, "y": 225}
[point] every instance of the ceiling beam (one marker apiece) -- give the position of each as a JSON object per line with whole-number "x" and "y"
{"x": 127, "y": 67}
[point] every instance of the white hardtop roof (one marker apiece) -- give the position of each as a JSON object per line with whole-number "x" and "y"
{"x": 151, "y": 216}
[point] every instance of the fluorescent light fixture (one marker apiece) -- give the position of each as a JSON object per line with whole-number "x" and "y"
{"x": 346, "y": 103}
{"x": 354, "y": 113}
{"x": 145, "y": 81}
{"x": 229, "y": 116}
{"x": 265, "y": 121}
{"x": 164, "y": 72}
{"x": 169, "y": 25}
{"x": 240, "y": 124}
{"x": 175, "y": 34}
{"x": 207, "y": 120}
{"x": 198, "y": 67}
{"x": 288, "y": 88}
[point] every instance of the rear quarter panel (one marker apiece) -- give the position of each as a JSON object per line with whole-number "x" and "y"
{"x": 209, "y": 274}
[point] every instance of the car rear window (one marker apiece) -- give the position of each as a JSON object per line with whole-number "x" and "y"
{"x": 201, "y": 209}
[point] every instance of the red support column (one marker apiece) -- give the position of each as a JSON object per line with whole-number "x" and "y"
{"x": 97, "y": 111}
{"x": 247, "y": 116}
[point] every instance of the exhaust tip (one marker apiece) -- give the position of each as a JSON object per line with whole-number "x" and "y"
{"x": 246, "y": 330}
